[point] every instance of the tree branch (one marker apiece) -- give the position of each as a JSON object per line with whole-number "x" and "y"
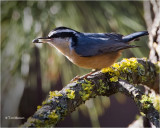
{"x": 143, "y": 101}
{"x": 106, "y": 82}
{"x": 154, "y": 29}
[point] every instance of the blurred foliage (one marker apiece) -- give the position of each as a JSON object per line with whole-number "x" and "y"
{"x": 30, "y": 71}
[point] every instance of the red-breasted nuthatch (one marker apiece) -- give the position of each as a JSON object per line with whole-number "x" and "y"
{"x": 89, "y": 50}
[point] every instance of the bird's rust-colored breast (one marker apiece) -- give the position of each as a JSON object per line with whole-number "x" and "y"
{"x": 94, "y": 62}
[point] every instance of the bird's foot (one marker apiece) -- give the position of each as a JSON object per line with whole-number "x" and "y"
{"x": 75, "y": 79}
{"x": 84, "y": 76}
{"x": 93, "y": 71}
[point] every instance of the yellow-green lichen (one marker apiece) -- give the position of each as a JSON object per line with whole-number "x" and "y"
{"x": 110, "y": 70}
{"x": 53, "y": 115}
{"x": 84, "y": 95}
{"x": 38, "y": 107}
{"x": 46, "y": 102}
{"x": 114, "y": 79}
{"x": 126, "y": 66}
{"x": 87, "y": 87}
{"x": 156, "y": 101}
{"x": 102, "y": 89}
{"x": 54, "y": 94}
{"x": 58, "y": 108}
{"x": 142, "y": 114}
{"x": 29, "y": 122}
{"x": 70, "y": 93}
{"x": 61, "y": 111}
{"x": 146, "y": 101}
{"x": 38, "y": 123}
{"x": 52, "y": 119}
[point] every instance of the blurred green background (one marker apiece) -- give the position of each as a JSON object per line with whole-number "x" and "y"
{"x": 29, "y": 71}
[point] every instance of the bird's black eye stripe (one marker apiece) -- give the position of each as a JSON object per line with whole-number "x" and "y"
{"x": 65, "y": 35}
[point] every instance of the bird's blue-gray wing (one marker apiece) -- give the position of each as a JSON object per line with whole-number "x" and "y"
{"x": 91, "y": 45}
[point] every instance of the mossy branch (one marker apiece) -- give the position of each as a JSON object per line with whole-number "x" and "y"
{"x": 108, "y": 81}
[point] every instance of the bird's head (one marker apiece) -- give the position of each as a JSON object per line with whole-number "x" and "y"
{"x": 59, "y": 35}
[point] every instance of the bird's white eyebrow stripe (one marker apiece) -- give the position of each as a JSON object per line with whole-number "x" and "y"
{"x": 59, "y": 31}
{"x": 66, "y": 30}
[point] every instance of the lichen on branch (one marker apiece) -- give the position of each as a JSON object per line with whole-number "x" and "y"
{"x": 108, "y": 81}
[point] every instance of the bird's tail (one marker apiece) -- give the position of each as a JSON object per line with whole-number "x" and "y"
{"x": 134, "y": 36}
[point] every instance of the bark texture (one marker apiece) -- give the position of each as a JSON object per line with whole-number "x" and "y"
{"x": 118, "y": 78}
{"x": 152, "y": 18}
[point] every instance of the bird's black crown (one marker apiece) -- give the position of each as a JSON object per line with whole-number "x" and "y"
{"x": 64, "y": 28}
{"x": 64, "y": 32}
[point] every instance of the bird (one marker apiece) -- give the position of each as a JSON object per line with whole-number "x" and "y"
{"x": 89, "y": 50}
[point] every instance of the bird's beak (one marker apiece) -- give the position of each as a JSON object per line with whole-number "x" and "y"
{"x": 42, "y": 40}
